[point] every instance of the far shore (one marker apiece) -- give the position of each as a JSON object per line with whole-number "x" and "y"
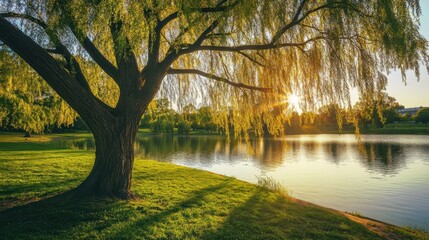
{"x": 400, "y": 129}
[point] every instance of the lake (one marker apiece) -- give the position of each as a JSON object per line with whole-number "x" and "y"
{"x": 385, "y": 178}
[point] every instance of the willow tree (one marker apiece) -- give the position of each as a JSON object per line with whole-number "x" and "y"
{"x": 242, "y": 57}
{"x": 26, "y": 102}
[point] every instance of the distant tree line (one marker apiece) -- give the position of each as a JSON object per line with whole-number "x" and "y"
{"x": 161, "y": 118}
{"x": 37, "y": 111}
{"x": 376, "y": 112}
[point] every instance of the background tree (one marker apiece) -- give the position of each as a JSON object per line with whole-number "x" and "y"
{"x": 160, "y": 117}
{"x": 423, "y": 115}
{"x": 379, "y": 110}
{"x": 330, "y": 115}
{"x": 189, "y": 115}
{"x": 205, "y": 119}
{"x": 389, "y": 108}
{"x": 26, "y": 101}
{"x": 238, "y": 52}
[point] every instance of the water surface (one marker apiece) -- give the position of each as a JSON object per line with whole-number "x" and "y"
{"x": 385, "y": 178}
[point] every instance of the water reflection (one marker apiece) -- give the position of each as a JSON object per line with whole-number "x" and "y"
{"x": 383, "y": 157}
{"x": 386, "y": 158}
{"x": 384, "y": 178}
{"x": 73, "y": 143}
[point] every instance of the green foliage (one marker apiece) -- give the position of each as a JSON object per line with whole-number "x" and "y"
{"x": 379, "y": 111}
{"x": 184, "y": 127}
{"x": 162, "y": 124}
{"x": 173, "y": 202}
{"x": 160, "y": 117}
{"x": 316, "y": 49}
{"x": 205, "y": 119}
{"x": 189, "y": 115}
{"x": 330, "y": 115}
{"x": 26, "y": 101}
{"x": 423, "y": 115}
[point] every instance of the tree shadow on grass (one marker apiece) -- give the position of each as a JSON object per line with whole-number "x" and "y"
{"x": 216, "y": 211}
{"x": 59, "y": 217}
{"x": 24, "y": 146}
{"x": 149, "y": 223}
{"x": 50, "y": 217}
{"x": 44, "y": 189}
{"x": 266, "y": 215}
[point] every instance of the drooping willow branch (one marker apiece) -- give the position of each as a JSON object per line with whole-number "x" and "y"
{"x": 296, "y": 20}
{"x": 217, "y": 78}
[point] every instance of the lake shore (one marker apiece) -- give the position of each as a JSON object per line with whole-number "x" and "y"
{"x": 411, "y": 129}
{"x": 399, "y": 128}
{"x": 173, "y": 202}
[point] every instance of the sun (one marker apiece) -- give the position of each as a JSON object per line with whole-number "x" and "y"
{"x": 294, "y": 101}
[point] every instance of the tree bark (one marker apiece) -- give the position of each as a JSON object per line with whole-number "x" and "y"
{"x": 114, "y": 129}
{"x": 114, "y": 158}
{"x": 27, "y": 134}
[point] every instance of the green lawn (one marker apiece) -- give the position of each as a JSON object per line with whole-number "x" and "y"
{"x": 173, "y": 203}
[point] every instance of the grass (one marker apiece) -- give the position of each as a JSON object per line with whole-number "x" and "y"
{"x": 271, "y": 184}
{"x": 173, "y": 202}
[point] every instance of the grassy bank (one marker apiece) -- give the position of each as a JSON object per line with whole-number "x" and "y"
{"x": 173, "y": 203}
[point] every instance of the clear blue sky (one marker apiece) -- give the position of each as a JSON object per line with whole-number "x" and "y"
{"x": 415, "y": 93}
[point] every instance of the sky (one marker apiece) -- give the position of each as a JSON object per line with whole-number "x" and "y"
{"x": 414, "y": 93}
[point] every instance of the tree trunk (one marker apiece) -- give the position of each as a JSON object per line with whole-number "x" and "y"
{"x": 27, "y": 134}
{"x": 114, "y": 158}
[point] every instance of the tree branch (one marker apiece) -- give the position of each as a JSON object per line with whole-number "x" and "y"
{"x": 217, "y": 78}
{"x": 100, "y": 59}
{"x": 294, "y": 22}
{"x": 251, "y": 47}
{"x": 24, "y": 16}
{"x": 297, "y": 20}
{"x": 217, "y": 8}
{"x": 72, "y": 65}
{"x": 130, "y": 79}
{"x": 251, "y": 58}
{"x": 87, "y": 44}
{"x": 84, "y": 102}
{"x": 93, "y": 51}
{"x": 172, "y": 54}
{"x": 203, "y": 35}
